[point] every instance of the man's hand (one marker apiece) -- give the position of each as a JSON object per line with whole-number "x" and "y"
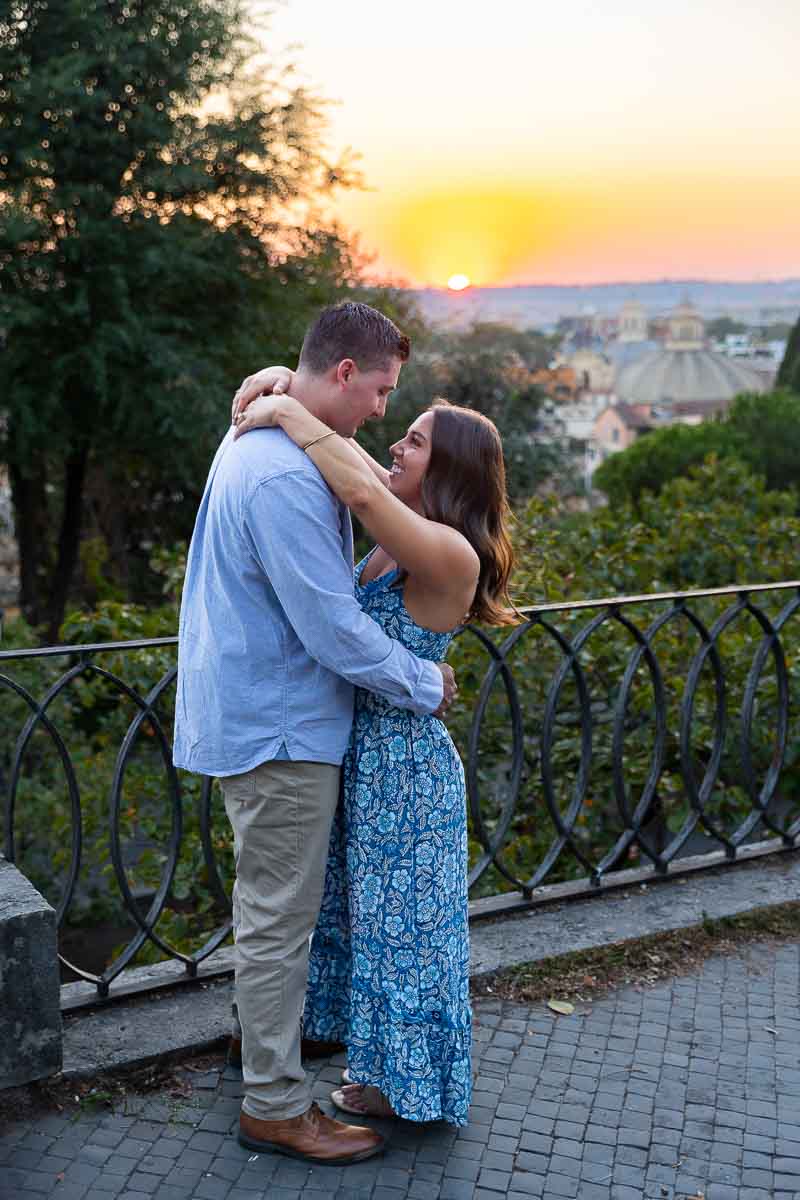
{"x": 274, "y": 381}
{"x": 450, "y": 689}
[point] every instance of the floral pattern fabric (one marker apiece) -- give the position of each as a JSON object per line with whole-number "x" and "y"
{"x": 389, "y": 964}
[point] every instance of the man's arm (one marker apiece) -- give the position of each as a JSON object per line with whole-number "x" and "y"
{"x": 292, "y": 523}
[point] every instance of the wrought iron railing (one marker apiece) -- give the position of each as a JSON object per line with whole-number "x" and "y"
{"x": 598, "y": 735}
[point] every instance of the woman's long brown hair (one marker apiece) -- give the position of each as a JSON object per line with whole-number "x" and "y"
{"x": 465, "y": 487}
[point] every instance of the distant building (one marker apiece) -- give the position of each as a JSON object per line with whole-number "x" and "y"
{"x": 593, "y": 369}
{"x": 775, "y": 350}
{"x": 757, "y": 352}
{"x": 737, "y": 345}
{"x": 605, "y": 326}
{"x": 617, "y": 427}
{"x": 685, "y": 371}
{"x": 633, "y": 340}
{"x": 577, "y": 429}
{"x": 653, "y": 373}
{"x": 689, "y": 412}
{"x": 558, "y": 382}
{"x": 632, "y": 322}
{"x": 659, "y": 329}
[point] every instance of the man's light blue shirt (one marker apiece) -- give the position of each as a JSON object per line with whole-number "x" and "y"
{"x": 272, "y": 639}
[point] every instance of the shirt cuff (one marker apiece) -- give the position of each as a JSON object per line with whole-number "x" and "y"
{"x": 430, "y": 688}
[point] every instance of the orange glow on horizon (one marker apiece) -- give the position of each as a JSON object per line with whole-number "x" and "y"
{"x": 583, "y": 229}
{"x": 650, "y": 141}
{"x": 484, "y": 230}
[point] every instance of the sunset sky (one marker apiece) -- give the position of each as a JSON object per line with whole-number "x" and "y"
{"x": 569, "y": 141}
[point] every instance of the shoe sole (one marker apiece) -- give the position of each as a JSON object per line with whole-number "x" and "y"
{"x": 277, "y": 1148}
{"x": 381, "y": 1114}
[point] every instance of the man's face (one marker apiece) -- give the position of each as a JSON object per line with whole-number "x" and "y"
{"x": 362, "y": 395}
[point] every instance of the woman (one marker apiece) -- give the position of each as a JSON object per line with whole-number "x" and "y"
{"x": 389, "y": 966}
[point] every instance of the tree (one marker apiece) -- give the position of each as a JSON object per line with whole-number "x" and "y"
{"x": 527, "y": 347}
{"x": 765, "y": 435}
{"x": 789, "y": 373}
{"x": 720, "y": 327}
{"x": 656, "y": 458}
{"x": 761, "y": 431}
{"x": 143, "y": 260}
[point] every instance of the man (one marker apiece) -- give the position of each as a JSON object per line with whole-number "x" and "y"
{"x": 271, "y": 643}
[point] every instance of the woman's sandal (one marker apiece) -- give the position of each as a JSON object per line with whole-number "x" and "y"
{"x": 370, "y": 1101}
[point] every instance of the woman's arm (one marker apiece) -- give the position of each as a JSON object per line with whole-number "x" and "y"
{"x": 271, "y": 380}
{"x": 378, "y": 471}
{"x": 440, "y": 556}
{"x": 278, "y": 380}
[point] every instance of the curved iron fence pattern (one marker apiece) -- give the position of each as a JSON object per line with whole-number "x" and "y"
{"x": 729, "y": 735}
{"x": 602, "y": 732}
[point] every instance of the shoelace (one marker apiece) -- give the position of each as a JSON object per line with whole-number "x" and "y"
{"x": 314, "y": 1114}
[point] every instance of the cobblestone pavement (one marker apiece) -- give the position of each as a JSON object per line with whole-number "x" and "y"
{"x": 685, "y": 1089}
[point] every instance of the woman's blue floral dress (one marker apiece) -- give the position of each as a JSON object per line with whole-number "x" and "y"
{"x": 389, "y": 966}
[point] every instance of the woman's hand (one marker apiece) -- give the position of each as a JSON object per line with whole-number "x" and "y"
{"x": 272, "y": 380}
{"x": 262, "y": 413}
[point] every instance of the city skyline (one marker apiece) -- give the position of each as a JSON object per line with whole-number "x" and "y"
{"x": 565, "y": 144}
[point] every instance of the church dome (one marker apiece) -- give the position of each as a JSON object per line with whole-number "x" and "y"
{"x": 684, "y": 372}
{"x": 623, "y": 353}
{"x": 668, "y": 377}
{"x": 687, "y": 329}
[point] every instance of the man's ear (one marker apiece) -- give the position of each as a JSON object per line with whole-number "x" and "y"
{"x": 345, "y": 371}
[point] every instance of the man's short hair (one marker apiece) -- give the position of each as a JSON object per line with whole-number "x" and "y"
{"x": 352, "y": 330}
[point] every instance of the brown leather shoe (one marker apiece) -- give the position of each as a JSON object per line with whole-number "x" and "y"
{"x": 308, "y": 1049}
{"x": 312, "y": 1137}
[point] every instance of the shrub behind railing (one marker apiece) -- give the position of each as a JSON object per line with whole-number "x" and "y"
{"x": 596, "y": 736}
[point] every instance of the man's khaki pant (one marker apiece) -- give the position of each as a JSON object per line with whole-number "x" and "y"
{"x": 281, "y": 813}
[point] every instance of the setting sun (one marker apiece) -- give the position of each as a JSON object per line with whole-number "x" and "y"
{"x": 457, "y": 283}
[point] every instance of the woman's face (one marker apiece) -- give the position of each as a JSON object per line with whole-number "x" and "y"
{"x": 410, "y": 458}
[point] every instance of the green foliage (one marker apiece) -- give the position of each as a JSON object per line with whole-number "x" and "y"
{"x": 716, "y": 527}
{"x": 777, "y": 331}
{"x": 761, "y": 431}
{"x": 657, "y": 457}
{"x": 144, "y": 256}
{"x": 92, "y": 716}
{"x": 765, "y": 434}
{"x": 170, "y": 564}
{"x": 94, "y": 558}
{"x": 719, "y": 525}
{"x": 721, "y": 327}
{"x": 789, "y": 373}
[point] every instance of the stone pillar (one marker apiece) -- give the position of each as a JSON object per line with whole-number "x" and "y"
{"x": 30, "y": 1012}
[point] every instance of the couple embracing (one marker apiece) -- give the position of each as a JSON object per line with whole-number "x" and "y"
{"x": 349, "y": 820}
